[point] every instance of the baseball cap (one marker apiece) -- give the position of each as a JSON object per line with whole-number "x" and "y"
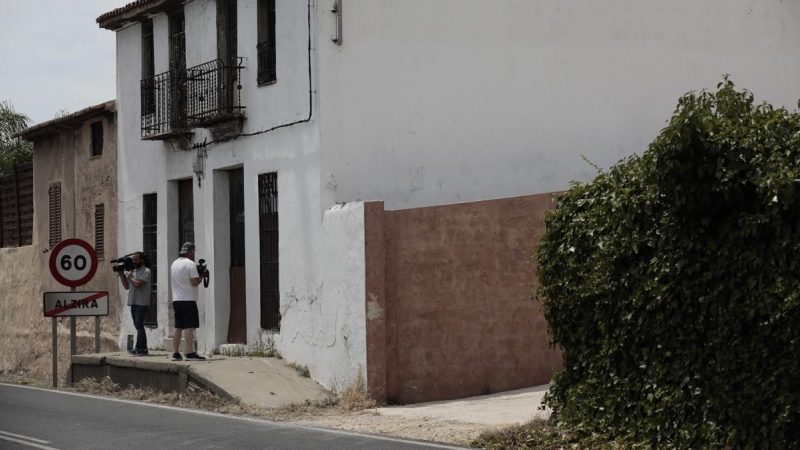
{"x": 186, "y": 247}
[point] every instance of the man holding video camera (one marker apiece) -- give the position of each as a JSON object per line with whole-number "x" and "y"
{"x": 185, "y": 279}
{"x": 138, "y": 299}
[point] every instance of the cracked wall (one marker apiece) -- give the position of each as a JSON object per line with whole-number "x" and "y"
{"x": 324, "y": 319}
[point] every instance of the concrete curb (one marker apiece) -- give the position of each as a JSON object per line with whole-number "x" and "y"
{"x": 181, "y": 374}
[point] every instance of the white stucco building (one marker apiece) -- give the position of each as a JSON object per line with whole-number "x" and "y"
{"x": 415, "y": 103}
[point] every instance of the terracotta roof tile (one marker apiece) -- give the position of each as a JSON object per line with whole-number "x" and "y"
{"x": 120, "y": 11}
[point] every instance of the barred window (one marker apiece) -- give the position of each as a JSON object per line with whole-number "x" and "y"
{"x": 55, "y": 214}
{"x": 99, "y": 231}
{"x": 267, "y": 55}
{"x": 149, "y": 238}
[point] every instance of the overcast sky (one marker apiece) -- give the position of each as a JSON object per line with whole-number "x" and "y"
{"x": 53, "y": 55}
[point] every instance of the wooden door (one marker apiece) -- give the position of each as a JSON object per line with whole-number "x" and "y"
{"x": 237, "y": 325}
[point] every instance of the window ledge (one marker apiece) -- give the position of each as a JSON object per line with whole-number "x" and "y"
{"x": 268, "y": 83}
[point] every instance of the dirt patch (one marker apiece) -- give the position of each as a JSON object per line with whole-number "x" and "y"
{"x": 373, "y": 422}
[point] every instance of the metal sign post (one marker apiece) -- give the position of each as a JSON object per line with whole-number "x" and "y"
{"x": 55, "y": 352}
{"x": 73, "y": 263}
{"x": 73, "y": 344}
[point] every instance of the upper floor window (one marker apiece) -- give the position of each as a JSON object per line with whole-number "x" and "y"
{"x": 148, "y": 68}
{"x": 267, "y": 57}
{"x": 227, "y": 29}
{"x": 177, "y": 41}
{"x": 97, "y": 139}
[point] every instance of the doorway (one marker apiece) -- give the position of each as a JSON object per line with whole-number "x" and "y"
{"x": 237, "y": 325}
{"x": 185, "y": 211}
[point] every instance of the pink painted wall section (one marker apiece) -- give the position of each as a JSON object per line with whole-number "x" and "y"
{"x": 449, "y": 307}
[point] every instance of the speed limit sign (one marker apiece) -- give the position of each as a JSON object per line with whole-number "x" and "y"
{"x": 73, "y": 262}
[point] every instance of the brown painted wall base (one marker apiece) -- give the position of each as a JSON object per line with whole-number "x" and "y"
{"x": 449, "y": 308}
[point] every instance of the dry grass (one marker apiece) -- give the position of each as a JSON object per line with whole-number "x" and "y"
{"x": 24, "y": 380}
{"x": 539, "y": 434}
{"x": 354, "y": 396}
{"x": 301, "y": 370}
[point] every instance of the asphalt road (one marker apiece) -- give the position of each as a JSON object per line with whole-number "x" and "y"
{"x": 48, "y": 419}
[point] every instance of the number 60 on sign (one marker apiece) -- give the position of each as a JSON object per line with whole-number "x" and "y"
{"x": 73, "y": 262}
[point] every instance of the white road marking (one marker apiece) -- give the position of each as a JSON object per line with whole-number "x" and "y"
{"x": 23, "y": 437}
{"x": 26, "y": 443}
{"x": 245, "y": 419}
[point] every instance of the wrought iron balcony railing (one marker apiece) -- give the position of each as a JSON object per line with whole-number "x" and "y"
{"x": 176, "y": 101}
{"x": 214, "y": 91}
{"x": 164, "y": 104}
{"x": 267, "y": 72}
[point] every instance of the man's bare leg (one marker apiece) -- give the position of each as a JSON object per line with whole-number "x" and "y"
{"x": 176, "y": 340}
{"x": 189, "y": 334}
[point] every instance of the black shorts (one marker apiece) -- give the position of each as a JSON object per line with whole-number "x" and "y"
{"x": 186, "y": 315}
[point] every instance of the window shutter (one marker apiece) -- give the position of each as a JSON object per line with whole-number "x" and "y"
{"x": 99, "y": 232}
{"x": 55, "y": 214}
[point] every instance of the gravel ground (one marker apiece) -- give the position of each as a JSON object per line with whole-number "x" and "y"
{"x": 455, "y": 422}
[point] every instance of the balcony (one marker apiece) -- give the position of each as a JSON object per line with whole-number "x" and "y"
{"x": 175, "y": 102}
{"x": 164, "y": 105}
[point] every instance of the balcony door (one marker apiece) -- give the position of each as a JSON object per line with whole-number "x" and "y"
{"x": 185, "y": 211}
{"x": 177, "y": 68}
{"x": 227, "y": 52}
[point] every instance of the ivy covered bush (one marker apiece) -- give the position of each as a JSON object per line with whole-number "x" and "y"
{"x": 672, "y": 284}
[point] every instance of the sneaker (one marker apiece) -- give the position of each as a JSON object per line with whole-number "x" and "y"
{"x": 132, "y": 352}
{"x": 141, "y": 352}
{"x": 194, "y": 357}
{"x": 177, "y": 357}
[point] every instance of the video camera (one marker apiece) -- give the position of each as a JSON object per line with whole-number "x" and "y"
{"x": 202, "y": 268}
{"x": 123, "y": 263}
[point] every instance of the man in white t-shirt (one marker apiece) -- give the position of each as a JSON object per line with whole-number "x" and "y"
{"x": 185, "y": 280}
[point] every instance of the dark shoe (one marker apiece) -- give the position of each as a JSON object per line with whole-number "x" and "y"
{"x": 194, "y": 357}
{"x": 141, "y": 352}
{"x": 177, "y": 357}
{"x": 132, "y": 352}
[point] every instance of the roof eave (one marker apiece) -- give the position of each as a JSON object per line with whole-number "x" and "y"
{"x": 135, "y": 12}
{"x": 64, "y": 123}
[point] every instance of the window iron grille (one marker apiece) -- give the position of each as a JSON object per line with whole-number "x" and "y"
{"x": 267, "y": 62}
{"x": 150, "y": 249}
{"x": 269, "y": 252}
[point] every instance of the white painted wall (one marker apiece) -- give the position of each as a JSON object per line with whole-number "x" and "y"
{"x": 325, "y": 316}
{"x": 321, "y": 251}
{"x": 441, "y": 101}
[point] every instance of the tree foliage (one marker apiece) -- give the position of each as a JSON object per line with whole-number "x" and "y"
{"x": 672, "y": 284}
{"x": 12, "y": 151}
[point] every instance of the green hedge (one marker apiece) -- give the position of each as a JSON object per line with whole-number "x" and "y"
{"x": 671, "y": 283}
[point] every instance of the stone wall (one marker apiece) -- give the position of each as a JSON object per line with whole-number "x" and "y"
{"x": 25, "y": 334}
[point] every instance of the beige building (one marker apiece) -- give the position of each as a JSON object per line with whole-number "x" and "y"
{"x": 74, "y": 196}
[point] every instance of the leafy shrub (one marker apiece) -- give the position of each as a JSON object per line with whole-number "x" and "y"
{"x": 671, "y": 282}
